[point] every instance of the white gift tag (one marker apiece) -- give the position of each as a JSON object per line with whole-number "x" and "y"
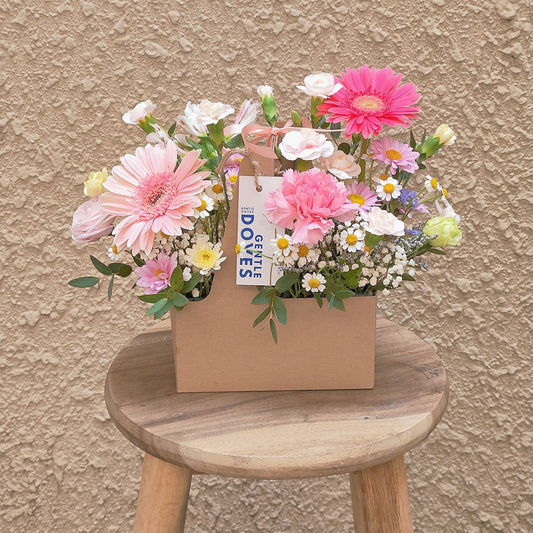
{"x": 255, "y": 231}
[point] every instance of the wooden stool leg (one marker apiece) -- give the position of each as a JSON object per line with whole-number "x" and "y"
{"x": 163, "y": 497}
{"x": 380, "y": 499}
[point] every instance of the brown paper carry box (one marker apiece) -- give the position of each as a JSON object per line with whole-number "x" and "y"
{"x": 216, "y": 348}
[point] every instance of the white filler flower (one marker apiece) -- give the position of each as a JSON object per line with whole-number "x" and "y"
{"x": 305, "y": 144}
{"x": 321, "y": 85}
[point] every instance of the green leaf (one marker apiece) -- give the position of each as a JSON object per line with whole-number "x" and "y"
{"x": 171, "y": 129}
{"x": 296, "y": 119}
{"x": 152, "y": 298}
{"x": 110, "y": 287}
{"x": 372, "y": 240}
{"x": 338, "y": 304}
{"x": 179, "y": 300}
{"x": 164, "y": 310}
{"x": 344, "y": 147}
{"x": 157, "y": 306}
{"x": 343, "y": 294}
{"x": 104, "y": 269}
{"x": 351, "y": 278}
{"x": 235, "y": 142}
{"x": 286, "y": 281}
{"x": 176, "y": 279}
{"x": 86, "y": 281}
{"x": 318, "y": 299}
{"x": 335, "y": 134}
{"x": 138, "y": 261}
{"x": 188, "y": 286}
{"x": 407, "y": 277}
{"x": 280, "y": 311}
{"x": 261, "y": 316}
{"x": 273, "y": 330}
{"x": 121, "y": 269}
{"x": 263, "y": 296}
{"x": 436, "y": 251}
{"x": 412, "y": 142}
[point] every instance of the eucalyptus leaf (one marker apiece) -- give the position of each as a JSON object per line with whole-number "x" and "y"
{"x": 164, "y": 310}
{"x": 121, "y": 269}
{"x": 179, "y": 300}
{"x": 104, "y": 269}
{"x": 261, "y": 317}
{"x": 157, "y": 306}
{"x": 263, "y": 296}
{"x": 286, "y": 281}
{"x": 152, "y": 298}
{"x": 86, "y": 281}
{"x": 138, "y": 261}
{"x": 273, "y": 330}
{"x": 280, "y": 311}
{"x": 188, "y": 286}
{"x": 318, "y": 299}
{"x": 110, "y": 287}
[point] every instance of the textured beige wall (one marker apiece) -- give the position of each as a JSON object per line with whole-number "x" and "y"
{"x": 70, "y": 68}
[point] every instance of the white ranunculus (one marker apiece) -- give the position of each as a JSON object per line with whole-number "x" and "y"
{"x": 139, "y": 112}
{"x": 321, "y": 85}
{"x": 305, "y": 144}
{"x": 212, "y": 112}
{"x": 196, "y": 117}
{"x": 381, "y": 222}
{"x": 341, "y": 165}
{"x": 445, "y": 134}
{"x": 264, "y": 91}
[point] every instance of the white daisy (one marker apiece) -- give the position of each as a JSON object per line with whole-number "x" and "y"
{"x": 352, "y": 239}
{"x": 242, "y": 249}
{"x": 314, "y": 282}
{"x": 205, "y": 256}
{"x": 283, "y": 248}
{"x": 303, "y": 254}
{"x": 388, "y": 189}
{"x": 432, "y": 184}
{"x": 205, "y": 207}
{"x": 216, "y": 191}
{"x": 113, "y": 253}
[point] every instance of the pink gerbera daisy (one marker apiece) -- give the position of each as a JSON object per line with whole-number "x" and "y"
{"x": 370, "y": 98}
{"x": 360, "y": 195}
{"x": 155, "y": 274}
{"x": 307, "y": 202}
{"x": 152, "y": 196}
{"x": 393, "y": 153}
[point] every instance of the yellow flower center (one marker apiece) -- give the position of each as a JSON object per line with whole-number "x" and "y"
{"x": 283, "y": 243}
{"x": 368, "y": 103}
{"x": 351, "y": 239}
{"x": 356, "y": 199}
{"x": 393, "y": 155}
{"x": 314, "y": 283}
{"x": 205, "y": 258}
{"x": 367, "y": 249}
{"x": 164, "y": 235}
{"x": 383, "y": 177}
{"x": 388, "y": 188}
{"x": 238, "y": 248}
{"x": 232, "y": 178}
{"x": 445, "y": 192}
{"x": 434, "y": 183}
{"x": 203, "y": 205}
{"x": 114, "y": 248}
{"x": 217, "y": 188}
{"x": 303, "y": 251}
{"x": 158, "y": 272}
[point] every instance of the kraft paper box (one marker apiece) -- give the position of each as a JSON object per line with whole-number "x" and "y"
{"x": 216, "y": 348}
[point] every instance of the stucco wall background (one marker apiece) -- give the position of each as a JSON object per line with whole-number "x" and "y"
{"x": 69, "y": 69}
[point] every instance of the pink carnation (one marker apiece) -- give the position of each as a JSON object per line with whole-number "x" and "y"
{"x": 90, "y": 222}
{"x": 307, "y": 202}
{"x": 155, "y": 274}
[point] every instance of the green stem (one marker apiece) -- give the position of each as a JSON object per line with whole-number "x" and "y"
{"x": 362, "y": 162}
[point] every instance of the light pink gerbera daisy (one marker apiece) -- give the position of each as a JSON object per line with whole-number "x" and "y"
{"x": 393, "y": 153}
{"x": 155, "y": 274}
{"x": 307, "y": 202}
{"x": 360, "y": 195}
{"x": 370, "y": 98}
{"x": 152, "y": 196}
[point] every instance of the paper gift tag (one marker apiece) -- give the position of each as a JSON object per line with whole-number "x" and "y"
{"x": 255, "y": 231}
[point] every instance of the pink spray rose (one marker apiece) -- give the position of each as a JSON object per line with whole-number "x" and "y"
{"x": 90, "y": 222}
{"x": 307, "y": 202}
{"x": 155, "y": 274}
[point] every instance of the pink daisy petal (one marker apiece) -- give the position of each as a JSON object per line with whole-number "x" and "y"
{"x": 370, "y": 98}
{"x": 152, "y": 196}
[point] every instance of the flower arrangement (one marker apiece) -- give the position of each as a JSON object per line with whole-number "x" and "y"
{"x": 354, "y": 216}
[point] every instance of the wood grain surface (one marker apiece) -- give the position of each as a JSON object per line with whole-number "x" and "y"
{"x": 275, "y": 435}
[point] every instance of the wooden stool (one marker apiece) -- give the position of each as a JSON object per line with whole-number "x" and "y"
{"x": 278, "y": 435}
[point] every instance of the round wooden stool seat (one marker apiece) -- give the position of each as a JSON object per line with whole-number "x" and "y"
{"x": 276, "y": 435}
